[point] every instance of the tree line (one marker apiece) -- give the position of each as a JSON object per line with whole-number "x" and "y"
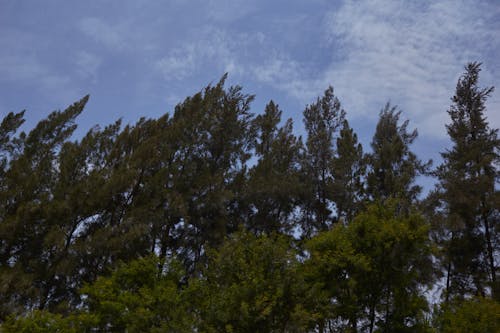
{"x": 214, "y": 219}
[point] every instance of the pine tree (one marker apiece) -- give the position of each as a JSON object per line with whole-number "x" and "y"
{"x": 348, "y": 171}
{"x": 213, "y": 147}
{"x": 273, "y": 186}
{"x": 371, "y": 273}
{"x": 393, "y": 167}
{"x": 29, "y": 264}
{"x": 323, "y": 120}
{"x": 467, "y": 180}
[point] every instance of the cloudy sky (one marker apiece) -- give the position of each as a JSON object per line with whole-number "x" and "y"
{"x": 140, "y": 58}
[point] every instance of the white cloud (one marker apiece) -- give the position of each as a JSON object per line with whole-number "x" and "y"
{"x": 408, "y": 52}
{"x": 287, "y": 75}
{"x": 112, "y": 36}
{"x": 211, "y": 48}
{"x": 87, "y": 65}
{"x": 179, "y": 63}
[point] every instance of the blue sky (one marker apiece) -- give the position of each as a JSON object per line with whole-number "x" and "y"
{"x": 140, "y": 58}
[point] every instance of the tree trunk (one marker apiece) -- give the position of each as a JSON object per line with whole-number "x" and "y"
{"x": 372, "y": 318}
{"x": 490, "y": 256}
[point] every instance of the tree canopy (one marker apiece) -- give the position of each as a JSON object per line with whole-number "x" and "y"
{"x": 215, "y": 219}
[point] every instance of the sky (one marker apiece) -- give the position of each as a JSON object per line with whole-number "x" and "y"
{"x": 140, "y": 58}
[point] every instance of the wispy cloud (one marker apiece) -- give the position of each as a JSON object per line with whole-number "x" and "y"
{"x": 180, "y": 63}
{"x": 213, "y": 48}
{"x": 409, "y": 52}
{"x": 87, "y": 65}
{"x": 287, "y": 75}
{"x": 111, "y": 36}
{"x": 30, "y": 73}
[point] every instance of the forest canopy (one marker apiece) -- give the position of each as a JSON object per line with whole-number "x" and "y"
{"x": 214, "y": 219}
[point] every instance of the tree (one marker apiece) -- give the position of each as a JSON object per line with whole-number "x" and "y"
{"x": 212, "y": 149}
{"x": 371, "y": 273}
{"x": 10, "y": 124}
{"x": 140, "y": 297}
{"x": 475, "y": 315}
{"x": 393, "y": 167}
{"x": 467, "y": 184}
{"x": 323, "y": 120}
{"x": 273, "y": 186}
{"x": 251, "y": 285}
{"x": 348, "y": 171}
{"x": 47, "y": 322}
{"x": 30, "y": 172}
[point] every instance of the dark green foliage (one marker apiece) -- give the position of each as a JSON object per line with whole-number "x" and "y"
{"x": 214, "y": 141}
{"x": 138, "y": 297}
{"x": 251, "y": 285}
{"x": 371, "y": 273}
{"x": 47, "y": 322}
{"x": 467, "y": 181}
{"x": 9, "y": 146}
{"x": 141, "y": 297}
{"x": 211, "y": 219}
{"x": 323, "y": 120}
{"x": 30, "y": 254}
{"x": 393, "y": 167}
{"x": 71, "y": 210}
{"x": 475, "y": 315}
{"x": 274, "y": 186}
{"x": 348, "y": 171}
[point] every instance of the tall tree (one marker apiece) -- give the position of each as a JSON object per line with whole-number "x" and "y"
{"x": 213, "y": 148}
{"x": 26, "y": 223}
{"x": 467, "y": 183}
{"x": 273, "y": 185}
{"x": 348, "y": 171}
{"x": 393, "y": 167}
{"x": 371, "y": 273}
{"x": 323, "y": 120}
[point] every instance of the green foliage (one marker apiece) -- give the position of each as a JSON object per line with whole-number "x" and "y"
{"x": 468, "y": 194}
{"x": 251, "y": 285}
{"x": 213, "y": 148}
{"x": 70, "y": 211}
{"x": 46, "y": 322}
{"x": 393, "y": 167}
{"x": 348, "y": 171}
{"x": 371, "y": 273}
{"x": 274, "y": 186}
{"x": 323, "y": 120}
{"x": 184, "y": 223}
{"x": 29, "y": 254}
{"x": 8, "y": 144}
{"x": 140, "y": 297}
{"x": 476, "y": 315}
